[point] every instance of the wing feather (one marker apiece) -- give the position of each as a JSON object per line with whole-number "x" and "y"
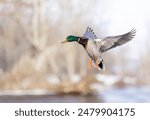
{"x": 114, "y": 41}
{"x": 89, "y": 33}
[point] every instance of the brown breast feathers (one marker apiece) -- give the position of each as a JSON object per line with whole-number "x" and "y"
{"x": 83, "y": 41}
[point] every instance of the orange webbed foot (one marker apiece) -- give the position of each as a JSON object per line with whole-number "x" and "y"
{"x": 97, "y": 64}
{"x": 90, "y": 64}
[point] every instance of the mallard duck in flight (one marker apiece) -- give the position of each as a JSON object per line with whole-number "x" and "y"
{"x": 96, "y": 47}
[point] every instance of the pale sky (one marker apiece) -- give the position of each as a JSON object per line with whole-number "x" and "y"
{"x": 124, "y": 15}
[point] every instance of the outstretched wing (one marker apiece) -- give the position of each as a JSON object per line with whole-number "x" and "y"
{"x": 114, "y": 41}
{"x": 89, "y": 34}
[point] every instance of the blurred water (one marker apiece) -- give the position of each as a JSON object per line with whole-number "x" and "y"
{"x": 126, "y": 95}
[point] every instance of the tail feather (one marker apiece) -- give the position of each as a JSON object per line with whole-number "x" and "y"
{"x": 102, "y": 65}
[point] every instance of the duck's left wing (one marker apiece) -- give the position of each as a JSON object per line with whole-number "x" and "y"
{"x": 89, "y": 34}
{"x": 114, "y": 41}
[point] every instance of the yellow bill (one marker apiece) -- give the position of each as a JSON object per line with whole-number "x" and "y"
{"x": 64, "y": 41}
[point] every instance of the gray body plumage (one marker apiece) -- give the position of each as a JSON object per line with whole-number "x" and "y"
{"x": 93, "y": 52}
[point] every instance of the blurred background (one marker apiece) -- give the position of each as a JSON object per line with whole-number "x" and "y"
{"x": 36, "y": 67}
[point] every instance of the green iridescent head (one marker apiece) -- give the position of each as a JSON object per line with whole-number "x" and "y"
{"x": 71, "y": 38}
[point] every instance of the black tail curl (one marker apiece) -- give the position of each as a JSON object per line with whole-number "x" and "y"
{"x": 101, "y": 64}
